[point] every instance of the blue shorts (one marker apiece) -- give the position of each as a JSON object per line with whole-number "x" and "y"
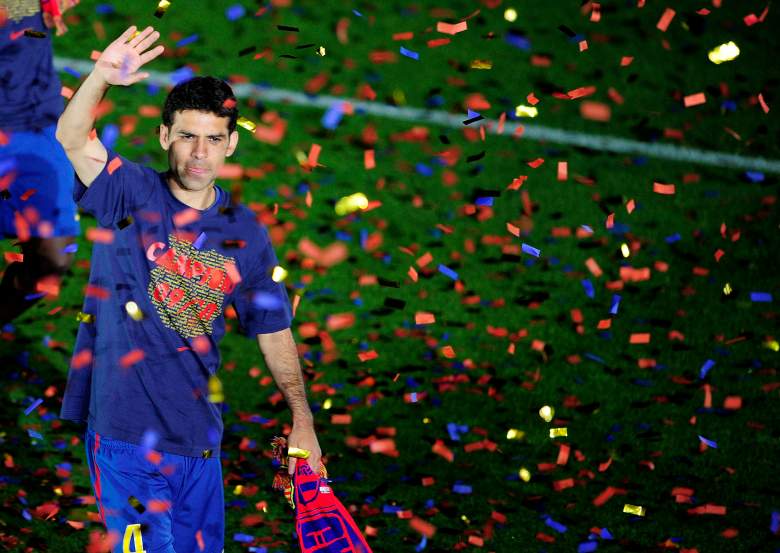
{"x": 36, "y": 187}
{"x": 158, "y": 503}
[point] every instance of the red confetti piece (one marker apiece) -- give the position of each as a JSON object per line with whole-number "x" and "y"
{"x": 560, "y": 485}
{"x": 626, "y": 61}
{"x": 661, "y": 188}
{"x": 536, "y": 163}
{"x": 403, "y": 36}
{"x": 694, "y": 99}
{"x": 422, "y": 527}
{"x": 630, "y": 205}
{"x": 732, "y": 403}
{"x": 341, "y": 419}
{"x": 442, "y": 450}
{"x": 98, "y": 292}
{"x": 593, "y": 267}
{"x": 367, "y": 355}
{"x": 595, "y": 111}
{"x": 761, "y": 101}
{"x": 583, "y": 45}
{"x": 639, "y": 338}
{"x": 339, "y": 321}
{"x": 13, "y": 257}
{"x": 666, "y": 19}
{"x": 100, "y": 235}
{"x": 708, "y": 509}
{"x": 368, "y": 159}
{"x": 158, "y": 505}
{"x": 563, "y": 170}
{"x": 113, "y": 165}
{"x": 450, "y": 28}
{"x": 424, "y": 318}
{"x": 66, "y": 92}
{"x": 185, "y": 217}
{"x": 436, "y": 42}
{"x": 131, "y": 357}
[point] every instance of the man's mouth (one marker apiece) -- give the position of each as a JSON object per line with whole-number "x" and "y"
{"x": 197, "y": 170}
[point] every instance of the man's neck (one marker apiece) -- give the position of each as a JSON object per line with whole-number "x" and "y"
{"x": 200, "y": 200}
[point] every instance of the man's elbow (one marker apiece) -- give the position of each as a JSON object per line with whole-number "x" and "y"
{"x": 67, "y": 139}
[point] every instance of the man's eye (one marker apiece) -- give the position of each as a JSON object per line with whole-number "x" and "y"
{"x": 215, "y": 140}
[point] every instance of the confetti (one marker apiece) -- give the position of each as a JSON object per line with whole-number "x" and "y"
{"x": 634, "y": 510}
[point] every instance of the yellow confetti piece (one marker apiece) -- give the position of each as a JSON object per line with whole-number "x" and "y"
{"x": 162, "y": 7}
{"x": 773, "y": 345}
{"x": 238, "y": 489}
{"x": 85, "y": 317}
{"x": 279, "y": 274}
{"x": 298, "y": 453}
{"x": 634, "y": 510}
{"x": 134, "y": 311}
{"x": 526, "y": 111}
{"x": 524, "y": 474}
{"x": 547, "y": 413}
{"x": 724, "y": 52}
{"x": 246, "y": 123}
{"x": 426, "y": 420}
{"x": 515, "y": 434}
{"x": 327, "y": 404}
{"x": 624, "y": 250}
{"x": 399, "y": 97}
{"x": 482, "y": 64}
{"x": 510, "y": 14}
{"x": 558, "y": 432}
{"x": 321, "y": 51}
{"x": 727, "y": 289}
{"x": 215, "y": 390}
{"x": 352, "y": 203}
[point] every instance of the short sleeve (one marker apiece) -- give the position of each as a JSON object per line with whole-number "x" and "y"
{"x": 262, "y": 305}
{"x": 121, "y": 187}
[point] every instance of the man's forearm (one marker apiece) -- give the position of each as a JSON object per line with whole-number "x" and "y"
{"x": 282, "y": 360}
{"x": 77, "y": 120}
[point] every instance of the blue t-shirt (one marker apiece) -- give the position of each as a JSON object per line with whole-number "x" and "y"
{"x": 29, "y": 87}
{"x": 135, "y": 379}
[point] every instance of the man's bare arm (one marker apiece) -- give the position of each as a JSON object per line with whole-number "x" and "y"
{"x": 281, "y": 356}
{"x": 117, "y": 65}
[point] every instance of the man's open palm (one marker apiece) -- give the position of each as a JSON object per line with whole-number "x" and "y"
{"x": 120, "y": 61}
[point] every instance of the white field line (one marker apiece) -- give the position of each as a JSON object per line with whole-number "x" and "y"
{"x": 596, "y": 142}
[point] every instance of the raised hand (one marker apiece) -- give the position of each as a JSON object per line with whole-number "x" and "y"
{"x": 120, "y": 61}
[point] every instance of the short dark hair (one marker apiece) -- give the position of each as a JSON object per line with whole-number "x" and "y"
{"x": 202, "y": 94}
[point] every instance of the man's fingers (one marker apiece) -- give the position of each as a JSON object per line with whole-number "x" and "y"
{"x": 124, "y": 37}
{"x": 291, "y": 465}
{"x": 136, "y": 77}
{"x": 148, "y": 41}
{"x": 140, "y": 36}
{"x": 146, "y": 57}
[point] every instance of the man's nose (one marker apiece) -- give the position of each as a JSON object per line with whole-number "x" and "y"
{"x": 200, "y": 150}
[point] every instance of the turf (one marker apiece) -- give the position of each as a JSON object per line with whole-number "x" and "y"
{"x": 513, "y": 332}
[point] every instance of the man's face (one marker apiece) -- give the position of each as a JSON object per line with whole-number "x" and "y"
{"x": 197, "y": 144}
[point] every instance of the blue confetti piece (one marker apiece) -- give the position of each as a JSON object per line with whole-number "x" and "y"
{"x": 754, "y": 176}
{"x": 446, "y": 271}
{"x": 149, "y": 440}
{"x": 518, "y": 41}
{"x": 413, "y": 397}
{"x": 587, "y": 547}
{"x": 420, "y": 546}
{"x": 26, "y": 514}
{"x": 557, "y": 526}
{"x": 7, "y": 165}
{"x": 410, "y": 53}
{"x": 484, "y": 201}
{"x": 605, "y": 535}
{"x": 243, "y": 538}
{"x": 357, "y": 13}
{"x": 774, "y": 525}
{"x": 187, "y": 40}
{"x": 332, "y": 117}
{"x": 423, "y": 169}
{"x": 182, "y": 74}
{"x": 72, "y": 72}
{"x": 462, "y": 489}
{"x": 710, "y": 443}
{"x": 760, "y": 296}
{"x": 587, "y": 285}
{"x": 35, "y": 404}
{"x": 708, "y": 364}
{"x": 33, "y": 434}
{"x": 729, "y": 105}
{"x": 471, "y": 114}
{"x": 109, "y": 135}
{"x": 388, "y": 509}
{"x": 199, "y": 241}
{"x": 673, "y": 238}
{"x": 266, "y": 301}
{"x": 104, "y": 9}
{"x": 234, "y": 12}
{"x": 595, "y": 358}
{"x": 615, "y": 304}
{"x": 531, "y": 250}
{"x": 70, "y": 248}
{"x": 587, "y": 228}
{"x": 30, "y": 297}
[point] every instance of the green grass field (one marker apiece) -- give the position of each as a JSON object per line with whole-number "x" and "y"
{"x": 514, "y": 332}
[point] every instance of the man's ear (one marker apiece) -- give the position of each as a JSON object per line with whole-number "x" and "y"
{"x": 232, "y": 143}
{"x": 165, "y": 139}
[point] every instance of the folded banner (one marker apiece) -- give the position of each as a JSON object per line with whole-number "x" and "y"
{"x": 322, "y": 523}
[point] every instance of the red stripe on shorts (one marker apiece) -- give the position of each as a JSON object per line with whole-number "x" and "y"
{"x": 97, "y": 479}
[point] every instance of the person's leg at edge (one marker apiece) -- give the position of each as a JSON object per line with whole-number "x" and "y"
{"x": 199, "y": 506}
